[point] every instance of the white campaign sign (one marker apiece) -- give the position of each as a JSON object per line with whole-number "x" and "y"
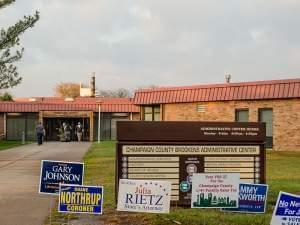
{"x": 215, "y": 190}
{"x": 144, "y": 196}
{"x": 287, "y": 210}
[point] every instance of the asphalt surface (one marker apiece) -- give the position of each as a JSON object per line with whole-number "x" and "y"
{"x": 20, "y": 203}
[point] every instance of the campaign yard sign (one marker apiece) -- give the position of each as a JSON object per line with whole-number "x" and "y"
{"x": 144, "y": 196}
{"x": 215, "y": 190}
{"x": 80, "y": 199}
{"x": 252, "y": 198}
{"x": 287, "y": 210}
{"x": 55, "y": 172}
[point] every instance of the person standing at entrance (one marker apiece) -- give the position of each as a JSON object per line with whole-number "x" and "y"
{"x": 40, "y": 133}
{"x": 67, "y": 130}
{"x": 79, "y": 131}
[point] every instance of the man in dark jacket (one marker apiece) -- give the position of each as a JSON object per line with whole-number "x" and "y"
{"x": 39, "y": 133}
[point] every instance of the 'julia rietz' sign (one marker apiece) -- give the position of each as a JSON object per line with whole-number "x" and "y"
{"x": 144, "y": 196}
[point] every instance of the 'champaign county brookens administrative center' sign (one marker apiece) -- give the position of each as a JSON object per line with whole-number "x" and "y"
{"x": 287, "y": 210}
{"x": 144, "y": 196}
{"x": 174, "y": 150}
{"x": 252, "y": 198}
{"x": 55, "y": 172}
{"x": 212, "y": 190}
{"x": 80, "y": 199}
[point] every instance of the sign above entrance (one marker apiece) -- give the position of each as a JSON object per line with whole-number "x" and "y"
{"x": 66, "y": 114}
{"x": 174, "y": 151}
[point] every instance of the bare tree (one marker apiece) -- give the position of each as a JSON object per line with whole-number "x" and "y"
{"x": 117, "y": 93}
{"x": 151, "y": 86}
{"x": 67, "y": 90}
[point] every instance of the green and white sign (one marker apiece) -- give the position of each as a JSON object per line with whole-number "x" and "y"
{"x": 184, "y": 186}
{"x": 215, "y": 190}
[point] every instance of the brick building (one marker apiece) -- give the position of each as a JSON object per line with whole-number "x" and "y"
{"x": 277, "y": 103}
{"x": 20, "y": 117}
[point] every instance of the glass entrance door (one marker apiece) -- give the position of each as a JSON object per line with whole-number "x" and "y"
{"x": 54, "y": 128}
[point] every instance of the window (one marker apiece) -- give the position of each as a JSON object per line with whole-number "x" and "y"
{"x": 241, "y": 115}
{"x": 266, "y": 116}
{"x": 152, "y": 113}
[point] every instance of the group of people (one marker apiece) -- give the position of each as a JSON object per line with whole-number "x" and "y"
{"x": 66, "y": 132}
{"x": 67, "y": 129}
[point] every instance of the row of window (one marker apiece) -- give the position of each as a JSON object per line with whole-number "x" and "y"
{"x": 153, "y": 113}
{"x": 264, "y": 115}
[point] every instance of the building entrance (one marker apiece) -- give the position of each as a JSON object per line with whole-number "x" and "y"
{"x": 54, "y": 128}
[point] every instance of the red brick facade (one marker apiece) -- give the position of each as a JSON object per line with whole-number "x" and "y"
{"x": 276, "y": 101}
{"x": 286, "y": 117}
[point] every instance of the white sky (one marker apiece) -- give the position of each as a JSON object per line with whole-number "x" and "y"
{"x": 138, "y": 43}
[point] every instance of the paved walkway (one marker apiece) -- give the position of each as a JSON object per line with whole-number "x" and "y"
{"x": 20, "y": 203}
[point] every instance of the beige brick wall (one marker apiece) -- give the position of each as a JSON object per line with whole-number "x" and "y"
{"x": 286, "y": 117}
{"x": 135, "y": 116}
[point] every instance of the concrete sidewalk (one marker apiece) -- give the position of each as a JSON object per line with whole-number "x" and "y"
{"x": 20, "y": 203}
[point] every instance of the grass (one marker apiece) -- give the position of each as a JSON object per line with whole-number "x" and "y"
{"x": 10, "y": 144}
{"x": 100, "y": 169}
{"x": 282, "y": 175}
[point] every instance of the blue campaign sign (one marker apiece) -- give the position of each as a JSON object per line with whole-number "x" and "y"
{"x": 287, "y": 210}
{"x": 252, "y": 198}
{"x": 55, "y": 172}
{"x": 80, "y": 199}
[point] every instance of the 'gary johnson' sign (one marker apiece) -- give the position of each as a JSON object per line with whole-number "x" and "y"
{"x": 55, "y": 172}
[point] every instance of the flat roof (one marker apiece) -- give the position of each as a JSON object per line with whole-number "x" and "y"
{"x": 36, "y": 104}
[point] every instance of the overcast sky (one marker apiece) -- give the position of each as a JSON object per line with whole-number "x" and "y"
{"x": 138, "y": 43}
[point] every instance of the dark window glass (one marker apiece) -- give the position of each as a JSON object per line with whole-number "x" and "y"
{"x": 242, "y": 115}
{"x": 266, "y": 116}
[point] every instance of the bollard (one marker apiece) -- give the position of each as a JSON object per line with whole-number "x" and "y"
{"x": 23, "y": 137}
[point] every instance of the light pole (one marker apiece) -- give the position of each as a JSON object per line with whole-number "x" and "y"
{"x": 99, "y": 120}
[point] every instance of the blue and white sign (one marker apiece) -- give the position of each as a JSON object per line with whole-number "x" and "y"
{"x": 80, "y": 199}
{"x": 287, "y": 210}
{"x": 55, "y": 172}
{"x": 252, "y": 198}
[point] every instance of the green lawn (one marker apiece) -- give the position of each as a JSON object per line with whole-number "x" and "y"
{"x": 282, "y": 174}
{"x": 9, "y": 144}
{"x": 99, "y": 166}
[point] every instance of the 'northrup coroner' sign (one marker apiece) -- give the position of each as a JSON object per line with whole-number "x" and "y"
{"x": 174, "y": 151}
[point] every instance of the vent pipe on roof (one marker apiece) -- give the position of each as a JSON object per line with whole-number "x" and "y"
{"x": 227, "y": 78}
{"x": 92, "y": 85}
